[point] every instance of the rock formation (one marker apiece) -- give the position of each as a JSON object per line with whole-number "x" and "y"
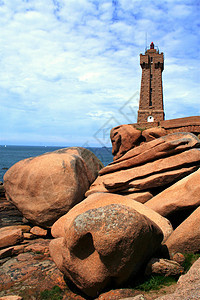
{"x": 124, "y": 222}
{"x": 153, "y": 133}
{"x": 183, "y": 195}
{"x": 186, "y": 237}
{"x": 94, "y": 201}
{"x": 10, "y": 236}
{"x": 161, "y": 266}
{"x": 104, "y": 239}
{"x": 154, "y": 164}
{"x": 45, "y": 187}
{"x": 124, "y": 137}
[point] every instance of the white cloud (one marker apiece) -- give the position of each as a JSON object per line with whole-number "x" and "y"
{"x": 66, "y": 64}
{"x": 99, "y": 114}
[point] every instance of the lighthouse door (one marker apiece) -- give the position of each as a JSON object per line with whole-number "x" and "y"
{"x": 150, "y": 119}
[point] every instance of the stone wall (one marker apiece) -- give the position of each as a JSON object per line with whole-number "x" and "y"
{"x": 188, "y": 124}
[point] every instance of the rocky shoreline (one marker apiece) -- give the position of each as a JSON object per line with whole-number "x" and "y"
{"x": 138, "y": 215}
{"x": 32, "y": 271}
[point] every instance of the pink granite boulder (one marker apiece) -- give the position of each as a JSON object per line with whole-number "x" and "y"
{"x": 186, "y": 237}
{"x": 183, "y": 195}
{"x": 103, "y": 240}
{"x": 123, "y": 138}
{"x": 45, "y": 187}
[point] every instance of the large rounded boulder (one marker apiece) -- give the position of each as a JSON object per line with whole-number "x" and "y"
{"x": 46, "y": 187}
{"x": 104, "y": 240}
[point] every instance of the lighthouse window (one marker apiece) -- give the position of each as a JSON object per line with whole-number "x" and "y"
{"x": 151, "y": 59}
{"x": 151, "y": 76}
{"x": 150, "y": 98}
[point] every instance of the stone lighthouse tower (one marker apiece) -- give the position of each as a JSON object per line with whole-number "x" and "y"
{"x": 151, "y": 94}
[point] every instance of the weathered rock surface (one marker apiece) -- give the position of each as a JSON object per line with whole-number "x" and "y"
{"x": 139, "y": 184}
{"x": 150, "y": 181}
{"x": 153, "y": 133}
{"x": 39, "y": 245}
{"x": 9, "y": 237}
{"x": 101, "y": 240}
{"x": 23, "y": 228}
{"x": 52, "y": 183}
{"x": 150, "y": 175}
{"x": 184, "y": 194}
{"x": 188, "y": 285}
{"x": 11, "y": 251}
{"x": 164, "y": 267}
{"x": 141, "y": 197}
{"x": 154, "y": 164}
{"x": 36, "y": 230}
{"x": 29, "y": 236}
{"x": 123, "y": 138}
{"x": 186, "y": 237}
{"x": 153, "y": 150}
{"x": 126, "y": 137}
{"x": 29, "y": 273}
{"x": 100, "y": 199}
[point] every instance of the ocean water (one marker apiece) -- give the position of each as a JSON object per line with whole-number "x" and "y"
{"x": 9, "y": 155}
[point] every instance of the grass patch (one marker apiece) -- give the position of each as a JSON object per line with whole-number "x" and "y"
{"x": 155, "y": 282}
{"x": 141, "y": 129}
{"x": 190, "y": 258}
{"x": 55, "y": 293}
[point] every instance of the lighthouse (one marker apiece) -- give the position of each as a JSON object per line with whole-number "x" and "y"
{"x": 151, "y": 108}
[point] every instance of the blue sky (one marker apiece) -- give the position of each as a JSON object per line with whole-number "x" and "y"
{"x": 69, "y": 69}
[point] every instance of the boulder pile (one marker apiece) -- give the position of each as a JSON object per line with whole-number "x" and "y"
{"x": 110, "y": 224}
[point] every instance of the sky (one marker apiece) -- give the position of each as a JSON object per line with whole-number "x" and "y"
{"x": 70, "y": 69}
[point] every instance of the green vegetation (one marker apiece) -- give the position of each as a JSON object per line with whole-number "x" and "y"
{"x": 54, "y": 294}
{"x": 141, "y": 129}
{"x": 38, "y": 252}
{"x": 190, "y": 258}
{"x": 155, "y": 282}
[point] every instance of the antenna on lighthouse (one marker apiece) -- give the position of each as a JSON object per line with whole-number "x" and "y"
{"x": 146, "y": 41}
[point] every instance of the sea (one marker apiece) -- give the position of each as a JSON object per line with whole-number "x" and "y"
{"x": 9, "y": 155}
